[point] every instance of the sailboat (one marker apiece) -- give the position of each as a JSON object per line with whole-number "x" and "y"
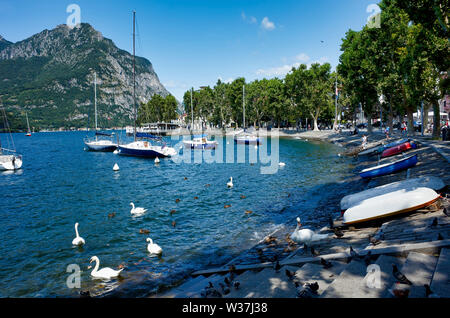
{"x": 99, "y": 144}
{"x": 141, "y": 146}
{"x": 244, "y": 136}
{"x": 28, "y": 125}
{"x": 9, "y": 159}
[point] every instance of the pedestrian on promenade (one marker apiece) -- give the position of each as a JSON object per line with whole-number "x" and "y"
{"x": 364, "y": 141}
{"x": 386, "y": 131}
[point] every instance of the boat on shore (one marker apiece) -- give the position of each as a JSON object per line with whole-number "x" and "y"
{"x": 379, "y": 149}
{"x": 200, "y": 142}
{"x": 388, "y": 168}
{"x": 392, "y": 151}
{"x": 390, "y": 204}
{"x": 431, "y": 182}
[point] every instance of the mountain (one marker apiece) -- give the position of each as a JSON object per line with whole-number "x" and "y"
{"x": 51, "y": 76}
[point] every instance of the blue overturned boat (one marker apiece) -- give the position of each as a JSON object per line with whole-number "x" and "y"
{"x": 388, "y": 168}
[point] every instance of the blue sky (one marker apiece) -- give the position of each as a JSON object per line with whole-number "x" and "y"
{"x": 193, "y": 43}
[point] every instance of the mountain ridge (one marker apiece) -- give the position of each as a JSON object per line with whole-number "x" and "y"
{"x": 50, "y": 75}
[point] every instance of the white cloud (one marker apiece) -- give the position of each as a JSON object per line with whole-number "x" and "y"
{"x": 302, "y": 57}
{"x": 267, "y": 24}
{"x": 277, "y": 71}
{"x": 282, "y": 70}
{"x": 251, "y": 19}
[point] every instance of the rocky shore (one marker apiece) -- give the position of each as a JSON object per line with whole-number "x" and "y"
{"x": 407, "y": 241}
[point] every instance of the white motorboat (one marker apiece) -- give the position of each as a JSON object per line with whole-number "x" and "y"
{"x": 431, "y": 182}
{"x": 390, "y": 204}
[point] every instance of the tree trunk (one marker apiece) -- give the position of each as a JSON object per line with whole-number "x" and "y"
{"x": 409, "y": 113}
{"x": 436, "y": 121}
{"x": 425, "y": 117}
{"x": 316, "y": 127}
{"x": 369, "y": 123}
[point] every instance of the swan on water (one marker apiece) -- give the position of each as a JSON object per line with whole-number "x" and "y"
{"x": 153, "y": 248}
{"x": 306, "y": 235}
{"x": 78, "y": 240}
{"x": 104, "y": 273}
{"x": 281, "y": 164}
{"x": 230, "y": 183}
{"x": 137, "y": 210}
{"x": 116, "y": 167}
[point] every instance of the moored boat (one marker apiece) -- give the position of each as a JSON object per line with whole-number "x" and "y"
{"x": 392, "y": 151}
{"x": 200, "y": 142}
{"x": 431, "y": 182}
{"x": 389, "y": 168}
{"x": 143, "y": 147}
{"x": 102, "y": 144}
{"x": 390, "y": 204}
{"x": 9, "y": 158}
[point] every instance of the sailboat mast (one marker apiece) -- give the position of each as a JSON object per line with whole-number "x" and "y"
{"x": 134, "y": 74}
{"x": 28, "y": 123}
{"x": 192, "y": 112}
{"x": 243, "y": 104}
{"x": 95, "y": 99}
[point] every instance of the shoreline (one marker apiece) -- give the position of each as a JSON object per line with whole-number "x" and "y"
{"x": 326, "y": 206}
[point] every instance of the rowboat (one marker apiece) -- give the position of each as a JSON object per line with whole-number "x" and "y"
{"x": 389, "y": 168}
{"x": 431, "y": 182}
{"x": 389, "y": 204}
{"x": 392, "y": 151}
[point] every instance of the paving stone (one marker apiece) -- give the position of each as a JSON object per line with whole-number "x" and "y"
{"x": 440, "y": 283}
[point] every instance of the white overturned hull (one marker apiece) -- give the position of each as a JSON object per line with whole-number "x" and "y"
{"x": 431, "y": 182}
{"x": 7, "y": 163}
{"x": 390, "y": 204}
{"x": 101, "y": 145}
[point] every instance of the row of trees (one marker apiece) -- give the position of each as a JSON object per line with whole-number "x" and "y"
{"x": 303, "y": 93}
{"x": 393, "y": 66}
{"x": 405, "y": 59}
{"x": 158, "y": 109}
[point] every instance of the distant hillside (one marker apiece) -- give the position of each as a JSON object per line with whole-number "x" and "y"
{"x": 51, "y": 74}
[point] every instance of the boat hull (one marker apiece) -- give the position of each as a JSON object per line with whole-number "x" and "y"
{"x": 390, "y": 204}
{"x": 397, "y": 149}
{"x": 100, "y": 147}
{"x": 145, "y": 150}
{"x": 431, "y": 182}
{"x": 200, "y": 146}
{"x": 6, "y": 163}
{"x": 389, "y": 168}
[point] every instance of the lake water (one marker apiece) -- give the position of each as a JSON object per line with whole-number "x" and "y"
{"x": 61, "y": 184}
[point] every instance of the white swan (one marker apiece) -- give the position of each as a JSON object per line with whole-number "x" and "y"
{"x": 306, "y": 235}
{"x": 137, "y": 210}
{"x": 104, "y": 273}
{"x": 281, "y": 164}
{"x": 230, "y": 183}
{"x": 153, "y": 248}
{"x": 78, "y": 240}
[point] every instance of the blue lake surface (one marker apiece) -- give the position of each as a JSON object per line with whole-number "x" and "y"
{"x": 60, "y": 184}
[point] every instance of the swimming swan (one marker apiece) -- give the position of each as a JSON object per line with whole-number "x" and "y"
{"x": 306, "y": 235}
{"x": 104, "y": 273}
{"x": 153, "y": 248}
{"x": 230, "y": 183}
{"x": 78, "y": 240}
{"x": 137, "y": 210}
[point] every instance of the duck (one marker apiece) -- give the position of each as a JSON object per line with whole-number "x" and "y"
{"x": 111, "y": 215}
{"x": 306, "y": 235}
{"x": 144, "y": 231}
{"x": 78, "y": 240}
{"x": 230, "y": 183}
{"x": 104, "y": 273}
{"x": 227, "y": 206}
{"x": 138, "y": 210}
{"x": 153, "y": 248}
